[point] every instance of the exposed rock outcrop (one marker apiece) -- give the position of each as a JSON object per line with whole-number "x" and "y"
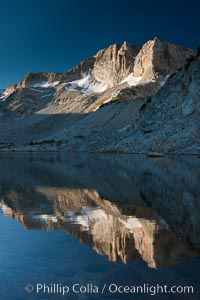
{"x": 166, "y": 122}
{"x": 114, "y": 64}
{"x": 40, "y": 79}
{"x": 81, "y": 70}
{"x": 160, "y": 58}
{"x": 8, "y": 91}
{"x": 125, "y": 98}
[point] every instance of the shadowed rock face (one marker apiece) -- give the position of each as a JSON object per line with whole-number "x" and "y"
{"x": 165, "y": 122}
{"x": 122, "y": 99}
{"x": 32, "y": 79}
{"x": 82, "y": 69}
{"x": 137, "y": 209}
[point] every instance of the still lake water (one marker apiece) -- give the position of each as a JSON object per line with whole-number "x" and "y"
{"x": 98, "y": 219}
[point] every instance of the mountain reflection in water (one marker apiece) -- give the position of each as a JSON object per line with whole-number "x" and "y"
{"x": 124, "y": 206}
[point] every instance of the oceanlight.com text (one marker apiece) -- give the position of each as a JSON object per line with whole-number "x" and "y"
{"x": 111, "y": 288}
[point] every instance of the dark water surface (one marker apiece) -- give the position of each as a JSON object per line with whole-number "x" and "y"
{"x": 126, "y": 220}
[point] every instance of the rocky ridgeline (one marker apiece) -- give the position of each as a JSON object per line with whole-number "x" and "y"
{"x": 160, "y": 58}
{"x": 114, "y": 64}
{"x": 36, "y": 78}
{"x": 94, "y": 100}
{"x": 9, "y": 90}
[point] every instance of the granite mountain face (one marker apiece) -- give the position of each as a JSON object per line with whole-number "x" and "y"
{"x": 125, "y": 98}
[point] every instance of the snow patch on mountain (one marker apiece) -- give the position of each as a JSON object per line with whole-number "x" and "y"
{"x": 5, "y": 93}
{"x": 48, "y": 95}
{"x": 132, "y": 80}
{"x": 45, "y": 84}
{"x": 87, "y": 85}
{"x": 164, "y": 80}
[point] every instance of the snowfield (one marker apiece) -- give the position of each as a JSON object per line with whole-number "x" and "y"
{"x": 132, "y": 80}
{"x": 45, "y": 84}
{"x": 87, "y": 85}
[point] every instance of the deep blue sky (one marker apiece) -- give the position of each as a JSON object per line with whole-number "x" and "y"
{"x": 54, "y": 35}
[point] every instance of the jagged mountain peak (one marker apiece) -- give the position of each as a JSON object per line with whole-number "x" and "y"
{"x": 31, "y": 79}
{"x": 160, "y": 58}
{"x": 4, "y": 93}
{"x": 112, "y": 65}
{"x": 118, "y": 73}
{"x": 81, "y": 69}
{"x": 155, "y": 60}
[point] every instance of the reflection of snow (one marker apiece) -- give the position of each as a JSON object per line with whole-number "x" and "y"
{"x": 87, "y": 216}
{"x": 6, "y": 210}
{"x": 45, "y": 218}
{"x": 131, "y": 223}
